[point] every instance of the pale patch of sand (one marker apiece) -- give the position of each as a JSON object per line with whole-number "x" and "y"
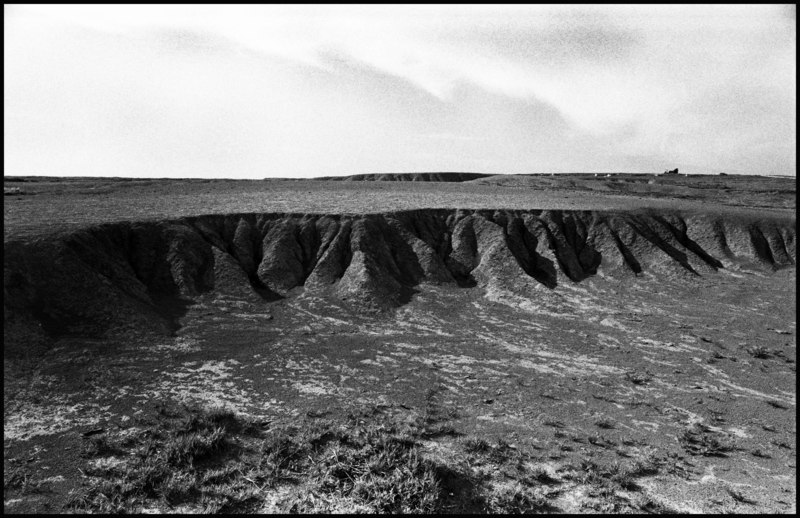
{"x": 211, "y": 383}
{"x": 53, "y": 480}
{"x": 56, "y": 416}
{"x": 107, "y": 462}
{"x": 610, "y": 322}
{"x": 180, "y": 344}
{"x": 315, "y": 387}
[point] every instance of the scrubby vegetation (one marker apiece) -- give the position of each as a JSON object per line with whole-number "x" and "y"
{"x": 195, "y": 460}
{"x": 759, "y": 352}
{"x": 701, "y": 440}
{"x": 215, "y": 461}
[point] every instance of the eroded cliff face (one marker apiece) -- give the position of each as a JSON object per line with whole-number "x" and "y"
{"x": 129, "y": 275}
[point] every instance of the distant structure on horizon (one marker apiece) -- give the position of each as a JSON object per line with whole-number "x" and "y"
{"x": 674, "y": 171}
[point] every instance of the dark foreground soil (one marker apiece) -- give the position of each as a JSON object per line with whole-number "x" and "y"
{"x": 698, "y": 379}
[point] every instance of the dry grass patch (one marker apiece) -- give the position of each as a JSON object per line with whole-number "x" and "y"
{"x": 196, "y": 460}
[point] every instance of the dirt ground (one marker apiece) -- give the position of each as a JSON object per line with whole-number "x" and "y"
{"x": 694, "y": 376}
{"x": 50, "y": 204}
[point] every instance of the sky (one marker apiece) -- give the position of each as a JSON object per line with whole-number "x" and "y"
{"x": 265, "y": 91}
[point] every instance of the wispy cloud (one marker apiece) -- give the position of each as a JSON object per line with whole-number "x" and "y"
{"x": 551, "y": 84}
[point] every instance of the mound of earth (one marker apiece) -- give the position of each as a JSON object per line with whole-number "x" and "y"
{"x": 408, "y": 177}
{"x": 134, "y": 275}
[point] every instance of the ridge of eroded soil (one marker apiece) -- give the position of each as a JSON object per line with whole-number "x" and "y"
{"x": 140, "y": 271}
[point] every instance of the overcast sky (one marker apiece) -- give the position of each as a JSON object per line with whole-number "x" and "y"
{"x": 297, "y": 91}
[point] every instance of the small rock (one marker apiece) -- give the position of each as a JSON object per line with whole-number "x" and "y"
{"x": 488, "y": 401}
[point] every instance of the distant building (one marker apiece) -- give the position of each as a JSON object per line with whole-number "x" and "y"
{"x": 674, "y": 171}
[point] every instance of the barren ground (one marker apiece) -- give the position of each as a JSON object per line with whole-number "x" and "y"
{"x": 49, "y": 204}
{"x": 660, "y": 391}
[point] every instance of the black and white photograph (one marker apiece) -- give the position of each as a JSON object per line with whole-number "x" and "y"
{"x": 399, "y": 258}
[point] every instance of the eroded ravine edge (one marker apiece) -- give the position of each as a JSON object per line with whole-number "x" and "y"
{"x": 141, "y": 273}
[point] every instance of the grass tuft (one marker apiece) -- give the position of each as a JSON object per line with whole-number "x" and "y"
{"x": 759, "y": 352}
{"x": 215, "y": 461}
{"x": 18, "y": 477}
{"x": 476, "y": 445}
{"x": 516, "y": 498}
{"x": 699, "y": 440}
{"x": 99, "y": 446}
{"x": 638, "y": 378}
{"x": 606, "y": 424}
{"x": 761, "y": 454}
{"x": 740, "y": 497}
{"x": 777, "y": 404}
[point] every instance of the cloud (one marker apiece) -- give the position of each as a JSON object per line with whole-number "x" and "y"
{"x": 790, "y": 11}
{"x": 347, "y": 87}
{"x": 567, "y": 42}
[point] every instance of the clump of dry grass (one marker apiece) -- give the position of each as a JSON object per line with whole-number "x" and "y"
{"x": 168, "y": 463}
{"x": 740, "y": 497}
{"x": 372, "y": 460}
{"x": 476, "y": 445}
{"x": 516, "y": 498}
{"x": 17, "y": 477}
{"x": 216, "y": 461}
{"x": 700, "y": 440}
{"x": 759, "y": 352}
{"x": 638, "y": 378}
{"x": 98, "y": 446}
{"x": 758, "y": 452}
{"x": 606, "y": 424}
